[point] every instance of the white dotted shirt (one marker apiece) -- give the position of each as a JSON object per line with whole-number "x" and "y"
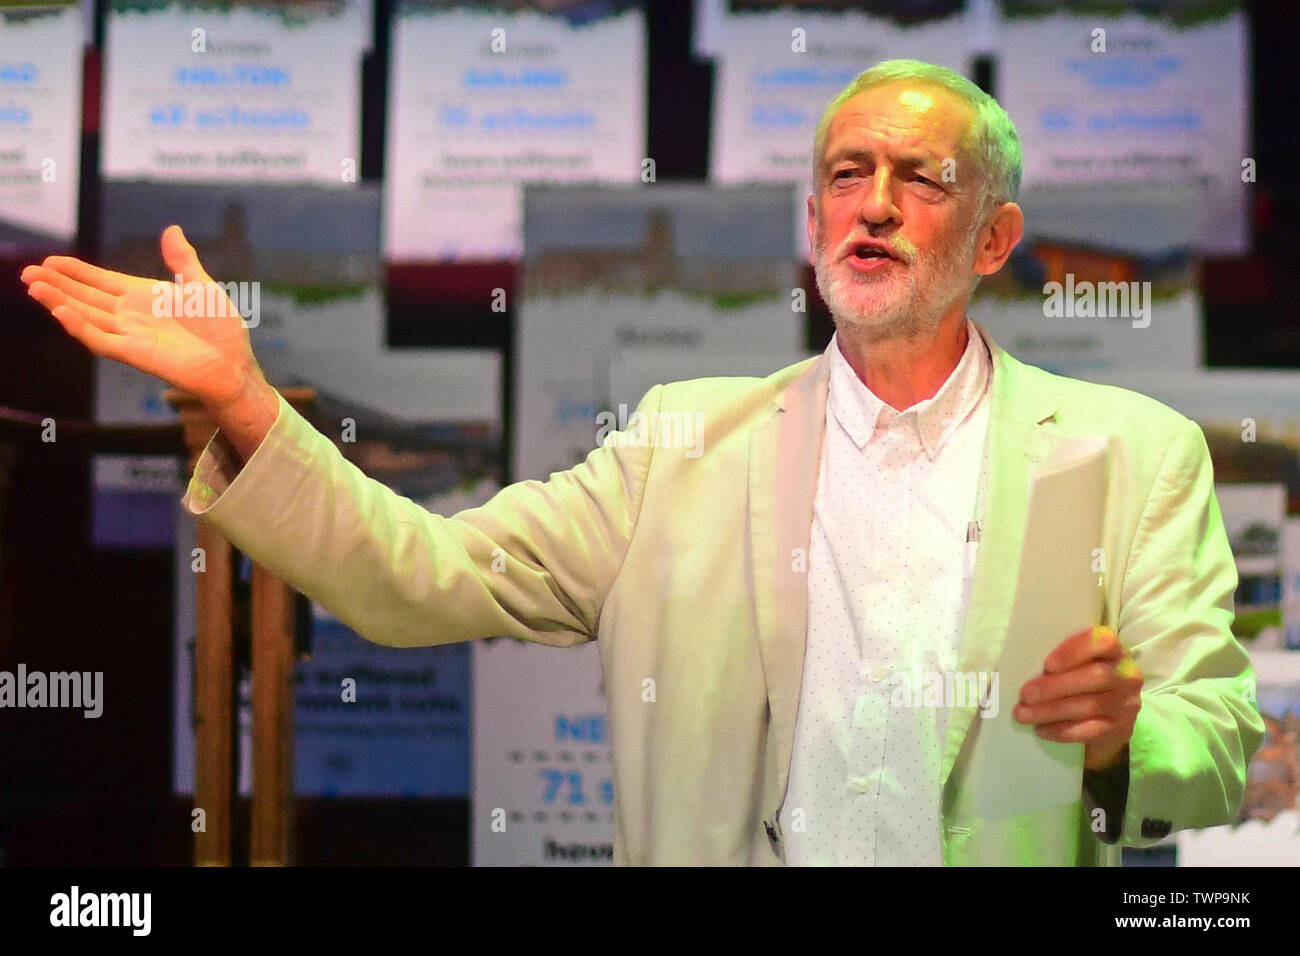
{"x": 888, "y": 575}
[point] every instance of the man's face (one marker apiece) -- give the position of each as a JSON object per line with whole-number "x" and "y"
{"x": 891, "y": 239}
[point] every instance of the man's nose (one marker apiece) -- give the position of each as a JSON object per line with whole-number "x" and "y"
{"x": 878, "y": 200}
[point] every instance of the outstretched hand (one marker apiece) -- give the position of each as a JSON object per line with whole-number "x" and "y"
{"x": 130, "y": 319}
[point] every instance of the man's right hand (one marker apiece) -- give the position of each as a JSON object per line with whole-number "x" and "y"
{"x": 130, "y": 319}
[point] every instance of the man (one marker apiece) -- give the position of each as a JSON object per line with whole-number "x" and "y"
{"x": 776, "y": 587}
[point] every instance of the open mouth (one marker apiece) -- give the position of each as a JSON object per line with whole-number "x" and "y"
{"x": 868, "y": 257}
{"x": 864, "y": 251}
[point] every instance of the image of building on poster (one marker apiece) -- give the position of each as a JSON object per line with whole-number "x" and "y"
{"x": 1267, "y": 829}
{"x": 1273, "y": 778}
{"x": 1099, "y": 282}
{"x": 304, "y": 263}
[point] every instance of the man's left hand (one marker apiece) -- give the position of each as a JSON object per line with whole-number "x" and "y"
{"x": 1090, "y": 692}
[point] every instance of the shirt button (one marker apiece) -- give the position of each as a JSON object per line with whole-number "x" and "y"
{"x": 861, "y": 784}
{"x": 878, "y": 673}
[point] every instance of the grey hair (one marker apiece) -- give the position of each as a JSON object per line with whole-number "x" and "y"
{"x": 992, "y": 139}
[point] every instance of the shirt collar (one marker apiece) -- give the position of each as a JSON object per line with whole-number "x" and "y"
{"x": 860, "y": 412}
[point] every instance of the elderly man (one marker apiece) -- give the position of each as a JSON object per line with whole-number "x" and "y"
{"x": 776, "y": 586}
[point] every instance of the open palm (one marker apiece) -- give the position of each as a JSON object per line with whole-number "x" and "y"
{"x": 130, "y": 319}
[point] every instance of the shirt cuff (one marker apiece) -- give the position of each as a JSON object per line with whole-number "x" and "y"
{"x": 219, "y": 465}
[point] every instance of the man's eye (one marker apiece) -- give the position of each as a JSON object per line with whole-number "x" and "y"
{"x": 927, "y": 182}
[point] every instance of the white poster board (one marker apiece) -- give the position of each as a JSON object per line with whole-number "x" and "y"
{"x": 483, "y": 101}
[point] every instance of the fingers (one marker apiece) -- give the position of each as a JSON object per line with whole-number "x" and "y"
{"x": 76, "y": 314}
{"x": 181, "y": 257}
{"x": 69, "y": 287}
{"x": 1089, "y": 678}
{"x": 1107, "y": 705}
{"x": 1076, "y": 731}
{"x": 92, "y": 337}
{"x": 105, "y": 280}
{"x": 1097, "y": 643}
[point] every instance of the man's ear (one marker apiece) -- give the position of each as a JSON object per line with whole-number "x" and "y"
{"x": 999, "y": 236}
{"x": 812, "y": 230}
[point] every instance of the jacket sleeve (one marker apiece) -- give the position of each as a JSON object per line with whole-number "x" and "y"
{"x": 535, "y": 562}
{"x": 1198, "y": 725}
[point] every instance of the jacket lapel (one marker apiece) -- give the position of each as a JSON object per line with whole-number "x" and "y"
{"x": 784, "y": 462}
{"x": 1020, "y": 434}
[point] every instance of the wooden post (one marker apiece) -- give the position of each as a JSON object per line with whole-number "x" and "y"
{"x": 214, "y": 701}
{"x": 214, "y": 678}
{"x": 272, "y": 836}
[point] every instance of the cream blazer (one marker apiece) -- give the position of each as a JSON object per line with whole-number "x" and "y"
{"x": 682, "y": 565}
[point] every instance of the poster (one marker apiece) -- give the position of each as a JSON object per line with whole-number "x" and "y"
{"x": 40, "y": 126}
{"x": 1100, "y": 283}
{"x": 1158, "y": 98}
{"x": 306, "y": 271}
{"x": 482, "y": 101}
{"x": 206, "y": 91}
{"x": 778, "y": 65}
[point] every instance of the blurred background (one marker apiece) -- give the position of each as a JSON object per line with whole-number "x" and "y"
{"x": 472, "y": 229}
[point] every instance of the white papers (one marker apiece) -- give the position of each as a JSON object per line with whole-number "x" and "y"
{"x": 1014, "y": 771}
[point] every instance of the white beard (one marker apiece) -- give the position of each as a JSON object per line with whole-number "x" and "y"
{"x": 905, "y": 301}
